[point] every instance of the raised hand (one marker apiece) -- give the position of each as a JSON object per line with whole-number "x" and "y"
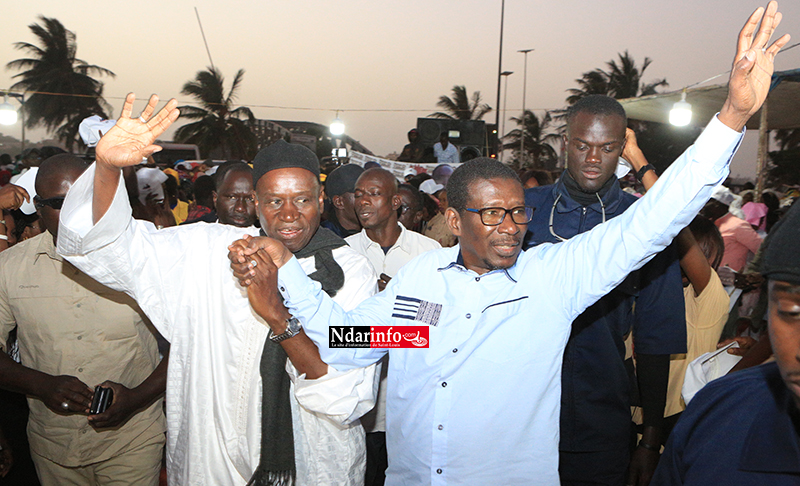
{"x": 131, "y": 139}
{"x": 12, "y": 197}
{"x": 752, "y": 67}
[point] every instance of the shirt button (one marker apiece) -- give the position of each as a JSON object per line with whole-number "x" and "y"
{"x": 469, "y": 316}
{"x": 80, "y": 370}
{"x": 440, "y": 427}
{"x": 77, "y": 305}
{"x": 477, "y": 279}
{"x": 84, "y": 431}
{"x": 455, "y": 350}
{"x": 438, "y": 471}
{"x": 283, "y": 289}
{"x": 444, "y": 384}
{"x": 80, "y": 337}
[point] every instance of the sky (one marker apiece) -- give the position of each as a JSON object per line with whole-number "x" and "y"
{"x": 382, "y": 64}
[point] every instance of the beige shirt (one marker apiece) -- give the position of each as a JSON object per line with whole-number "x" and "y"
{"x": 706, "y": 315}
{"x": 68, "y": 324}
{"x": 438, "y": 230}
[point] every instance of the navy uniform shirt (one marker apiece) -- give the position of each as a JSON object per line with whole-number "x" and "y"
{"x": 739, "y": 430}
{"x": 596, "y": 389}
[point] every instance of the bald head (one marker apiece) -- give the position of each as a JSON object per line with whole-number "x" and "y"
{"x": 384, "y": 176}
{"x": 376, "y": 199}
{"x": 57, "y": 171}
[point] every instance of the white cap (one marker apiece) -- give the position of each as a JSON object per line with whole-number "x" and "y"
{"x": 93, "y": 128}
{"x": 430, "y": 187}
{"x": 723, "y": 195}
{"x": 150, "y": 181}
{"x": 27, "y": 181}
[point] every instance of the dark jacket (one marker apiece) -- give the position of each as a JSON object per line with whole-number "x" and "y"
{"x": 596, "y": 386}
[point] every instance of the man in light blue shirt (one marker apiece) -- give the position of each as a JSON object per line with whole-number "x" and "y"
{"x": 481, "y": 404}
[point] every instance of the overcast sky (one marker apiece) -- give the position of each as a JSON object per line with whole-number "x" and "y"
{"x": 385, "y": 63}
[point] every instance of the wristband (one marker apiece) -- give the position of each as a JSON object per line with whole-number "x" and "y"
{"x": 4, "y": 237}
{"x": 649, "y": 447}
{"x": 641, "y": 172}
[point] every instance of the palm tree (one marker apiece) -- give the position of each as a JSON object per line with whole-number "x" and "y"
{"x": 621, "y": 80}
{"x": 460, "y": 107}
{"x": 538, "y": 151}
{"x": 788, "y": 138}
{"x": 592, "y": 82}
{"x": 62, "y": 91}
{"x": 220, "y": 130}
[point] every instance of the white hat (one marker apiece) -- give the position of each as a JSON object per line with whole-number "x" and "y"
{"x": 150, "y": 181}
{"x": 723, "y": 195}
{"x": 27, "y": 181}
{"x": 430, "y": 187}
{"x": 93, "y": 128}
{"x": 410, "y": 171}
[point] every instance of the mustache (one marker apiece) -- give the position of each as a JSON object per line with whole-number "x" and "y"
{"x": 507, "y": 241}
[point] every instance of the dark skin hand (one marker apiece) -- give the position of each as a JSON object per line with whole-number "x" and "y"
{"x": 383, "y": 281}
{"x": 127, "y": 401}
{"x": 644, "y": 461}
{"x": 53, "y": 391}
{"x": 261, "y": 282}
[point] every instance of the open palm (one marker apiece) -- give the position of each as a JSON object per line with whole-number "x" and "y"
{"x": 131, "y": 139}
{"x": 754, "y": 61}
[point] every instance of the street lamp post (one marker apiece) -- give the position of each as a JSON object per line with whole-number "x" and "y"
{"x": 499, "y": 76}
{"x": 8, "y": 115}
{"x": 502, "y": 133}
{"x": 524, "y": 90}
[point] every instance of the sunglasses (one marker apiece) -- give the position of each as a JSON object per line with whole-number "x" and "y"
{"x": 53, "y": 202}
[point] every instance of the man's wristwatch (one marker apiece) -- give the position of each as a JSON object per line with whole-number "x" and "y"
{"x": 293, "y": 327}
{"x": 641, "y": 172}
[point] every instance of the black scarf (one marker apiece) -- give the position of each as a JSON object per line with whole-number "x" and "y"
{"x": 276, "y": 466}
{"x": 579, "y": 195}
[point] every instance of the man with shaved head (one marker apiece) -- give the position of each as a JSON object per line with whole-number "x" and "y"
{"x": 74, "y": 334}
{"x": 388, "y": 245}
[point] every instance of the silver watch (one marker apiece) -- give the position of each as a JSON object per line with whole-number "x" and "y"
{"x": 293, "y": 327}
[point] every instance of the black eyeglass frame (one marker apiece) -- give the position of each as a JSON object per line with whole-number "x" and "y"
{"x": 52, "y": 202}
{"x": 481, "y": 212}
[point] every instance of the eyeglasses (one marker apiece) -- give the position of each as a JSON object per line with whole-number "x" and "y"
{"x": 495, "y": 216}
{"x": 53, "y": 202}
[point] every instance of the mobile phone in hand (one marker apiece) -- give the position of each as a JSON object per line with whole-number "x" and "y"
{"x": 102, "y": 400}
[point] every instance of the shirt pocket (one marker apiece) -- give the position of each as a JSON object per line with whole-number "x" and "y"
{"x": 509, "y": 333}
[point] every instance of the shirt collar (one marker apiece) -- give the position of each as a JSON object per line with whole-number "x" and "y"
{"x": 47, "y": 247}
{"x": 566, "y": 204}
{"x": 772, "y": 444}
{"x": 400, "y": 243}
{"x": 511, "y": 273}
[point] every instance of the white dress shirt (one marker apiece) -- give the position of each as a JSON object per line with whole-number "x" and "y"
{"x": 408, "y": 245}
{"x": 181, "y": 278}
{"x": 481, "y": 404}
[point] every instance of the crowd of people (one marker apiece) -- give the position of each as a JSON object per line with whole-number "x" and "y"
{"x": 567, "y": 315}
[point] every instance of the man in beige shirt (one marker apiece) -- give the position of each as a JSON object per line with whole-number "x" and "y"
{"x": 74, "y": 333}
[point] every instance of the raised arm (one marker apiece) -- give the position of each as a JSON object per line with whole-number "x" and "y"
{"x": 653, "y": 221}
{"x": 128, "y": 142}
{"x": 753, "y": 65}
{"x": 693, "y": 262}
